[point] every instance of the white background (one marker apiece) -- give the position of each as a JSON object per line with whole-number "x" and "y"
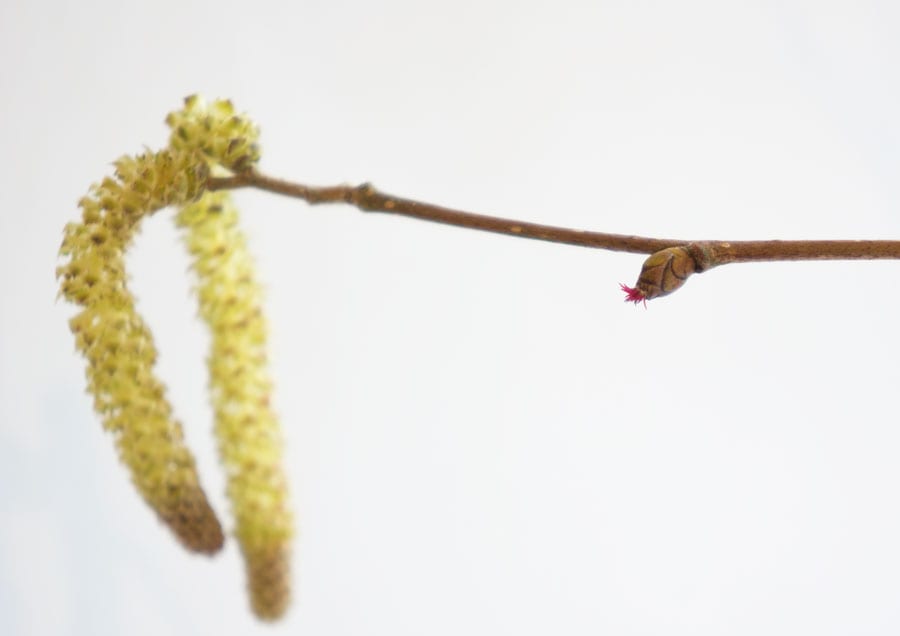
{"x": 482, "y": 438}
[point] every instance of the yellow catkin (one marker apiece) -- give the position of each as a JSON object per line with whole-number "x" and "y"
{"x": 120, "y": 351}
{"x": 224, "y": 137}
{"x": 118, "y": 345}
{"x": 246, "y": 427}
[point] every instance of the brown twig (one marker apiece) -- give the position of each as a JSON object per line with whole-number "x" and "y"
{"x": 671, "y": 266}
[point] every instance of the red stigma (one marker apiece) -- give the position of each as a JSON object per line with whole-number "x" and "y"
{"x": 633, "y": 295}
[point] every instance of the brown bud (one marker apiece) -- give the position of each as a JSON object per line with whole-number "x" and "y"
{"x": 665, "y": 271}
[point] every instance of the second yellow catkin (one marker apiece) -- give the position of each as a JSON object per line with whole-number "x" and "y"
{"x": 245, "y": 425}
{"x": 118, "y": 345}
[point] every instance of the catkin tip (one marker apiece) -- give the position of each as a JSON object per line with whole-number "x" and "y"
{"x": 268, "y": 580}
{"x": 194, "y": 523}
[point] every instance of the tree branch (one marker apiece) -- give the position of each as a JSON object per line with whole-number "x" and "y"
{"x": 671, "y": 261}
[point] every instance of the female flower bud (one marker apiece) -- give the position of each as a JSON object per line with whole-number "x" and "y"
{"x": 663, "y": 272}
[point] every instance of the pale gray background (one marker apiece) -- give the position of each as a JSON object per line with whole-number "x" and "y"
{"x": 482, "y": 437}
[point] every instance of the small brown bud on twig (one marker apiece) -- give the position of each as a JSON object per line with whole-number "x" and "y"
{"x": 663, "y": 272}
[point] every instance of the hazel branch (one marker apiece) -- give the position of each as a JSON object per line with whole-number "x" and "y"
{"x": 670, "y": 263}
{"x": 119, "y": 349}
{"x": 367, "y": 198}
